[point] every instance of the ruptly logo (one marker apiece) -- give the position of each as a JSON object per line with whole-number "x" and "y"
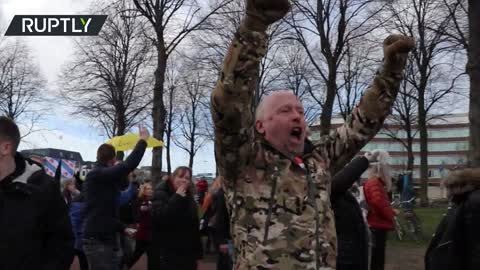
{"x": 56, "y": 25}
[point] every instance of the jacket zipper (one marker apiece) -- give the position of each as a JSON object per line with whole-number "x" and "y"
{"x": 270, "y": 204}
{"x": 311, "y": 192}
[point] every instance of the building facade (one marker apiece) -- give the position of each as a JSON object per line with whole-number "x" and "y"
{"x": 448, "y": 143}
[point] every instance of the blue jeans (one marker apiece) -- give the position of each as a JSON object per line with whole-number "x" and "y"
{"x": 102, "y": 255}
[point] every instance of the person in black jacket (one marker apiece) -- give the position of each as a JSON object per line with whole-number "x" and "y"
{"x": 102, "y": 188}
{"x": 352, "y": 231}
{"x": 456, "y": 242}
{"x": 175, "y": 226}
{"x": 221, "y": 236}
{"x": 35, "y": 230}
{"x": 218, "y": 223}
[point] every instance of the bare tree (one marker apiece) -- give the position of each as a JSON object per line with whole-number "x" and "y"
{"x": 473, "y": 70}
{"x": 171, "y": 21}
{"x": 463, "y": 33}
{"x": 217, "y": 34}
{"x": 404, "y": 118}
{"x": 331, "y": 24}
{"x": 191, "y": 120}
{"x": 355, "y": 72}
{"x": 107, "y": 81}
{"x": 22, "y": 87}
{"x": 457, "y": 31}
{"x": 297, "y": 74}
{"x": 172, "y": 84}
{"x": 424, "y": 20}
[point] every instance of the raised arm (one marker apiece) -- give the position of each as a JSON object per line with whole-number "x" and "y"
{"x": 132, "y": 161}
{"x": 367, "y": 117}
{"x": 232, "y": 97}
{"x": 345, "y": 178}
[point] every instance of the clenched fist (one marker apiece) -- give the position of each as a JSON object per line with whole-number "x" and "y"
{"x": 395, "y": 50}
{"x": 262, "y": 13}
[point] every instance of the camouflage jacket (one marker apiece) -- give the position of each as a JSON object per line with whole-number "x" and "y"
{"x": 280, "y": 211}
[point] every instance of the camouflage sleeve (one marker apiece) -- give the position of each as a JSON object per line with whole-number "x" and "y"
{"x": 231, "y": 103}
{"x": 363, "y": 123}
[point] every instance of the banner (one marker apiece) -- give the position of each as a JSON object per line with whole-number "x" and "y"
{"x": 51, "y": 164}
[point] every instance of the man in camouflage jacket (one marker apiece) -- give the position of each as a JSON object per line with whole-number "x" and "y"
{"x": 278, "y": 186}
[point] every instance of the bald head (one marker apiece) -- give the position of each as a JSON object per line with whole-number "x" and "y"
{"x": 279, "y": 118}
{"x": 267, "y": 104}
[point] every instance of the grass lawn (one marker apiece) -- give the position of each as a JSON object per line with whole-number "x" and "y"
{"x": 429, "y": 218}
{"x": 408, "y": 254}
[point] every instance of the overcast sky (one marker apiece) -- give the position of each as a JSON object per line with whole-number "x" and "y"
{"x": 60, "y": 129}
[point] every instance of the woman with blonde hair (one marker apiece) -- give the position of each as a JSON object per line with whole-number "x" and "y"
{"x": 69, "y": 191}
{"x": 175, "y": 226}
{"x": 380, "y": 212}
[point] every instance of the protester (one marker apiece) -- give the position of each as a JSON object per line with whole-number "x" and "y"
{"x": 175, "y": 226}
{"x": 126, "y": 214}
{"x": 207, "y": 222}
{"x": 69, "y": 190}
{"x": 201, "y": 188}
{"x": 456, "y": 243}
{"x": 102, "y": 225}
{"x": 278, "y": 185}
{"x": 143, "y": 234}
{"x": 35, "y": 231}
{"x": 380, "y": 214}
{"x": 77, "y": 216}
{"x": 352, "y": 231}
{"x": 217, "y": 218}
{"x": 77, "y": 212}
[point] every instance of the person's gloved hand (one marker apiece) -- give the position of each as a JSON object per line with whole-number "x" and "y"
{"x": 395, "y": 50}
{"x": 262, "y": 13}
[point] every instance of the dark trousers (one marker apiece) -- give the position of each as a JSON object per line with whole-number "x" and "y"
{"x": 378, "y": 251}
{"x": 140, "y": 248}
{"x": 101, "y": 255}
{"x": 344, "y": 266}
{"x": 82, "y": 259}
{"x": 179, "y": 264}
{"x": 170, "y": 262}
{"x": 224, "y": 262}
{"x": 127, "y": 246}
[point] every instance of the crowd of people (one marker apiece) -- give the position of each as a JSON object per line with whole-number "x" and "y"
{"x": 280, "y": 201}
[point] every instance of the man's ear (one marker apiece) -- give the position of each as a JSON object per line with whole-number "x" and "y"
{"x": 5, "y": 148}
{"x": 259, "y": 127}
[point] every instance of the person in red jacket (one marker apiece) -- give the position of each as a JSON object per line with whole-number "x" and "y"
{"x": 380, "y": 213}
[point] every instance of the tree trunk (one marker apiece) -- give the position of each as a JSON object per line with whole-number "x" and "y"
{"x": 191, "y": 157}
{"x": 158, "y": 111}
{"x": 327, "y": 110}
{"x": 169, "y": 131}
{"x": 191, "y": 153}
{"x": 473, "y": 69}
{"x": 422, "y": 126}
{"x": 121, "y": 128}
{"x": 410, "y": 156}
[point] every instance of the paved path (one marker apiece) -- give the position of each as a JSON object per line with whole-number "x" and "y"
{"x": 398, "y": 258}
{"x": 141, "y": 265}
